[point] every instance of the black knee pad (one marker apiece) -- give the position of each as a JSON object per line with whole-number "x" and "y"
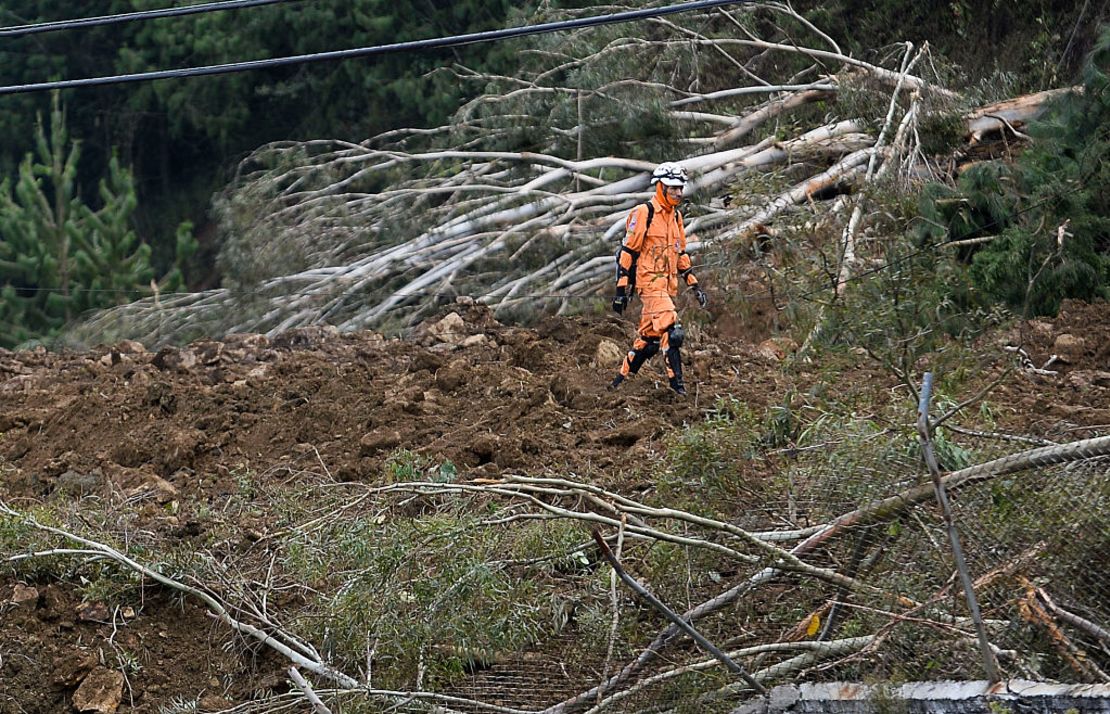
{"x": 675, "y": 336}
{"x": 637, "y": 358}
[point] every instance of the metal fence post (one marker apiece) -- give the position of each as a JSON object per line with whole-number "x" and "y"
{"x": 924, "y": 428}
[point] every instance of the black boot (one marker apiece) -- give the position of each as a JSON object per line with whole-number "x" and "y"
{"x": 616, "y": 381}
{"x": 674, "y": 363}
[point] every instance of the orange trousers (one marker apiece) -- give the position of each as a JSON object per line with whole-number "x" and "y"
{"x": 657, "y": 317}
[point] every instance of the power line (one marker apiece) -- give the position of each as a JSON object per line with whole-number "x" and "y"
{"x": 414, "y": 45}
{"x": 21, "y": 30}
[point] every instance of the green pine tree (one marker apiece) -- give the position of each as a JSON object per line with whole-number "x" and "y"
{"x": 60, "y": 257}
{"x": 1049, "y": 213}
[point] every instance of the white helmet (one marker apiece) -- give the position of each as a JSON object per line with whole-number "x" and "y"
{"x": 670, "y": 174}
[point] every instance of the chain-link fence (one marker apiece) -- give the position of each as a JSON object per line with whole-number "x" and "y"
{"x": 806, "y": 556}
{"x": 875, "y": 595}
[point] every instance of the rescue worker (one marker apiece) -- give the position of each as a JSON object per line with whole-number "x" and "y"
{"x": 652, "y": 259}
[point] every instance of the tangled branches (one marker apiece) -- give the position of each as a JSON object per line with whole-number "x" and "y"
{"x": 436, "y": 583}
{"x": 520, "y": 200}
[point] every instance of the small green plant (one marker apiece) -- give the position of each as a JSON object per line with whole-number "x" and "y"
{"x": 782, "y": 425}
{"x": 128, "y": 662}
{"x": 180, "y": 705}
{"x": 108, "y": 583}
{"x": 447, "y": 472}
{"x": 950, "y": 455}
{"x": 245, "y": 482}
{"x": 404, "y": 465}
{"x": 14, "y": 534}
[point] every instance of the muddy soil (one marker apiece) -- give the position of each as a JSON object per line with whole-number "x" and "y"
{"x": 181, "y": 423}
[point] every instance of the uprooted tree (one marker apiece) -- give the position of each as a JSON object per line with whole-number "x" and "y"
{"x": 519, "y": 201}
{"x": 404, "y": 585}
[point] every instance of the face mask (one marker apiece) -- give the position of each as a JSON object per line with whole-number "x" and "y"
{"x": 661, "y": 194}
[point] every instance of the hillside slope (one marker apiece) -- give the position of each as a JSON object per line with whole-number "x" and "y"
{"x": 169, "y": 437}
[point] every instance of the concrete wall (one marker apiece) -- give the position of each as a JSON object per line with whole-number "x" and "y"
{"x": 1015, "y": 696}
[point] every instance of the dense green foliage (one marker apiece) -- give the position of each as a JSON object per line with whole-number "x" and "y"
{"x": 181, "y": 135}
{"x": 59, "y": 256}
{"x": 1045, "y": 219}
{"x": 995, "y": 49}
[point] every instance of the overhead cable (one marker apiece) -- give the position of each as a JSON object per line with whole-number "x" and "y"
{"x": 432, "y": 43}
{"x": 21, "y": 30}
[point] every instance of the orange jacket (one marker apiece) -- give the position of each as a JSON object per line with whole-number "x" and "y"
{"x": 661, "y": 250}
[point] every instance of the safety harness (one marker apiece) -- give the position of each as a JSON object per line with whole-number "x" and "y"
{"x": 631, "y": 270}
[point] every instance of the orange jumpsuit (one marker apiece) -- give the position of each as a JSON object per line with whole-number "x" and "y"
{"x": 660, "y": 257}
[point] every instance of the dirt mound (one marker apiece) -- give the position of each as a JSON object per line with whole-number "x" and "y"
{"x": 1066, "y": 371}
{"x": 179, "y": 426}
{"x": 463, "y": 388}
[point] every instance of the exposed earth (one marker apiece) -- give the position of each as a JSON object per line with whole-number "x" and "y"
{"x": 177, "y": 425}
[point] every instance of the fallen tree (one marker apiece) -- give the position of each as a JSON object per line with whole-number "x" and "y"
{"x": 230, "y": 595}
{"x": 520, "y": 200}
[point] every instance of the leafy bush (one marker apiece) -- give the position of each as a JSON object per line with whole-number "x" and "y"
{"x": 707, "y": 461}
{"x": 1045, "y": 220}
{"x": 434, "y": 590}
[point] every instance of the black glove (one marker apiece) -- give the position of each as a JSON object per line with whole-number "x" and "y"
{"x": 703, "y": 298}
{"x": 620, "y": 300}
